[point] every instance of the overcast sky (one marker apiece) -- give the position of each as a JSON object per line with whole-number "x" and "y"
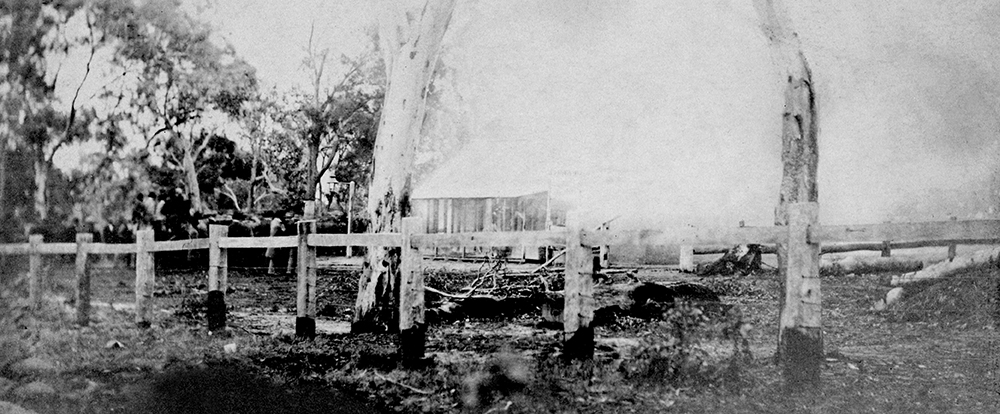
{"x": 670, "y": 111}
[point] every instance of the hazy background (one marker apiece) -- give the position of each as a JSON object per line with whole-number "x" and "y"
{"x": 669, "y": 112}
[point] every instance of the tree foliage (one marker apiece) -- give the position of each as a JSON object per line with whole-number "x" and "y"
{"x": 182, "y": 77}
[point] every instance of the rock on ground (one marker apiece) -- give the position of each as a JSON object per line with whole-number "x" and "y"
{"x": 11, "y": 408}
{"x": 6, "y": 385}
{"x": 33, "y": 365}
{"x": 34, "y": 390}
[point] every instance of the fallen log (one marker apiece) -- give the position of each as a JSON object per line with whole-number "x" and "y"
{"x": 869, "y": 264}
{"x": 949, "y": 267}
{"x": 937, "y": 271}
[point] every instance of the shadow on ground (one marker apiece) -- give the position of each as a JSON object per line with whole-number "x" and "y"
{"x": 232, "y": 388}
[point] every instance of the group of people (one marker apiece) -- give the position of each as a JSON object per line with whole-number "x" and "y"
{"x": 169, "y": 215}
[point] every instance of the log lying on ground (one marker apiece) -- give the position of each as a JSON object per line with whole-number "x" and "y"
{"x": 869, "y": 264}
{"x": 937, "y": 271}
{"x": 949, "y": 267}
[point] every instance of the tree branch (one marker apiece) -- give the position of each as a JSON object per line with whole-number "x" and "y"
{"x": 76, "y": 94}
{"x": 232, "y": 195}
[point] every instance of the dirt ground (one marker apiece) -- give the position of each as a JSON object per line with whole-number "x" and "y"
{"x": 937, "y": 351}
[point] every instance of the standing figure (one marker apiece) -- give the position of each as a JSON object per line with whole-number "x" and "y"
{"x": 277, "y": 226}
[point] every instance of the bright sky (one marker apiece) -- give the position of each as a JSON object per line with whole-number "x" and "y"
{"x": 670, "y": 111}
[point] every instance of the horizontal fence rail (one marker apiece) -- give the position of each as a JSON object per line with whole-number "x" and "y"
{"x": 258, "y": 242}
{"x": 707, "y": 240}
{"x": 178, "y": 245}
{"x": 357, "y": 239}
{"x": 948, "y": 232}
{"x": 688, "y": 236}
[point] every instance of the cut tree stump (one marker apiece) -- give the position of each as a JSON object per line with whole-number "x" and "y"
{"x": 742, "y": 258}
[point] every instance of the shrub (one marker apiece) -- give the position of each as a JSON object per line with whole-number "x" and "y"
{"x": 671, "y": 352}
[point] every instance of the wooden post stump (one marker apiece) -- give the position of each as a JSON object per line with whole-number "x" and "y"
{"x": 886, "y": 248}
{"x": 952, "y": 248}
{"x": 217, "y": 274}
{"x": 350, "y": 215}
{"x": 412, "y": 328}
{"x": 800, "y": 336}
{"x": 687, "y": 258}
{"x": 36, "y": 284}
{"x": 290, "y": 267}
{"x": 578, "y": 310}
{"x": 145, "y": 277}
{"x": 82, "y": 279}
{"x": 305, "y": 304}
{"x": 604, "y": 257}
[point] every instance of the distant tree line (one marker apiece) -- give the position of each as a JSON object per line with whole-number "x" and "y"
{"x": 173, "y": 109}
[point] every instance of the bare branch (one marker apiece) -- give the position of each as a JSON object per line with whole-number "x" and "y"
{"x": 76, "y": 94}
{"x": 232, "y": 195}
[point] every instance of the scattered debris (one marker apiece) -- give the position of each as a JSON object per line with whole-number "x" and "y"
{"x": 409, "y": 387}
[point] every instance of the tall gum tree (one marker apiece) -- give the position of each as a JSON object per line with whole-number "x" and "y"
{"x": 181, "y": 76}
{"x": 410, "y": 36}
{"x": 32, "y": 45}
{"x": 799, "y": 133}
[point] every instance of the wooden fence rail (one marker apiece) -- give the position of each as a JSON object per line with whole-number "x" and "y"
{"x": 805, "y": 238}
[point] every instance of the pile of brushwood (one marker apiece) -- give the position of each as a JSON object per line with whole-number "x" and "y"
{"x": 498, "y": 293}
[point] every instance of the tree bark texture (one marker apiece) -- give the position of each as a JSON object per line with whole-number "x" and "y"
{"x": 411, "y": 41}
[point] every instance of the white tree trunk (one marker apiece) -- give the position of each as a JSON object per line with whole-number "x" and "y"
{"x": 191, "y": 175}
{"x": 41, "y": 182}
{"x": 411, "y": 40}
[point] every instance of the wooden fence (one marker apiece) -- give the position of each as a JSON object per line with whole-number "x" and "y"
{"x": 804, "y": 240}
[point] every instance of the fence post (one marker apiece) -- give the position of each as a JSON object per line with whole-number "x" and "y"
{"x": 801, "y": 339}
{"x": 305, "y": 321}
{"x": 145, "y": 277}
{"x": 952, "y": 248}
{"x": 290, "y": 267}
{"x": 36, "y": 285}
{"x": 412, "y": 329}
{"x": 687, "y": 258}
{"x": 886, "y": 248}
{"x": 578, "y": 307}
{"x": 350, "y": 215}
{"x": 604, "y": 260}
{"x": 217, "y": 274}
{"x": 82, "y": 279}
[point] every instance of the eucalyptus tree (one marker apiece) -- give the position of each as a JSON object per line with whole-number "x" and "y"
{"x": 410, "y": 37}
{"x": 178, "y": 78}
